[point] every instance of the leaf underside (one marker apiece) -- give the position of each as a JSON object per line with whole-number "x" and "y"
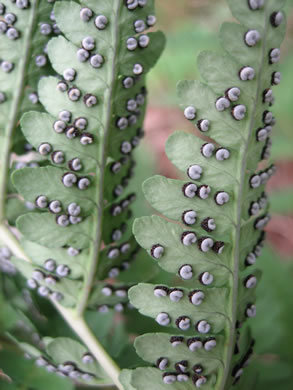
{"x": 210, "y": 230}
{"x": 104, "y": 195}
{"x": 77, "y": 232}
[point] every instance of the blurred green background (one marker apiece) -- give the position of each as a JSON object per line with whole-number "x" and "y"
{"x": 192, "y": 26}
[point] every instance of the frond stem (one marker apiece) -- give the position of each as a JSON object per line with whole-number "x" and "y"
{"x": 242, "y": 174}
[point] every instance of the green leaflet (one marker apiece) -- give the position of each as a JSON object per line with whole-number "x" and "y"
{"x": 65, "y": 287}
{"x": 210, "y": 229}
{"x": 169, "y": 235}
{"x": 158, "y": 344}
{"x": 33, "y": 121}
{"x": 152, "y": 307}
{"x": 125, "y": 378}
{"x": 25, "y": 374}
{"x": 32, "y": 225}
{"x": 39, "y": 179}
{"x": 39, "y": 254}
{"x": 63, "y": 350}
{"x": 61, "y": 353}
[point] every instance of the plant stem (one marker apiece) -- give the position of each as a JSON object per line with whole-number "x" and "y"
{"x": 16, "y": 103}
{"x": 242, "y": 175}
{"x": 92, "y": 266}
{"x": 12, "y": 243}
{"x": 80, "y": 327}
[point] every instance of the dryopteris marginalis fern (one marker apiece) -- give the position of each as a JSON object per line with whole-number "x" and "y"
{"x": 77, "y": 236}
{"x": 216, "y": 216}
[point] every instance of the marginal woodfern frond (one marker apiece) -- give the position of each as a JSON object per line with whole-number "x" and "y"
{"x": 78, "y": 235}
{"x": 93, "y": 122}
{"x": 212, "y": 232}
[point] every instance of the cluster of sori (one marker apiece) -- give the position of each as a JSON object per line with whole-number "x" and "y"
{"x": 190, "y": 190}
{"x": 256, "y": 251}
{"x": 9, "y": 17}
{"x": 133, "y": 4}
{"x": 85, "y": 53}
{"x": 45, "y": 283}
{"x": 74, "y": 94}
{"x": 72, "y": 129}
{"x": 195, "y": 297}
{"x": 71, "y": 215}
{"x": 183, "y": 372}
{"x": 118, "y": 307}
{"x": 262, "y": 177}
{"x": 132, "y": 106}
{"x": 185, "y": 272}
{"x": 120, "y": 261}
{"x": 118, "y": 189}
{"x": 68, "y": 368}
{"x": 47, "y": 278}
{"x": 5, "y": 264}
{"x": 47, "y": 29}
{"x": 258, "y": 205}
{"x": 228, "y": 100}
{"x": 109, "y": 290}
{"x": 116, "y": 210}
{"x": 239, "y": 367}
{"x": 114, "y": 252}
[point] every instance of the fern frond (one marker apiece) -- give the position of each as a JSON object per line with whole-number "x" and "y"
{"x": 215, "y": 217}
{"x": 87, "y": 135}
{"x": 78, "y": 236}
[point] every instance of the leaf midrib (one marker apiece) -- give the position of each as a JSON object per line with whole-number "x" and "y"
{"x": 242, "y": 174}
{"x": 93, "y": 262}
